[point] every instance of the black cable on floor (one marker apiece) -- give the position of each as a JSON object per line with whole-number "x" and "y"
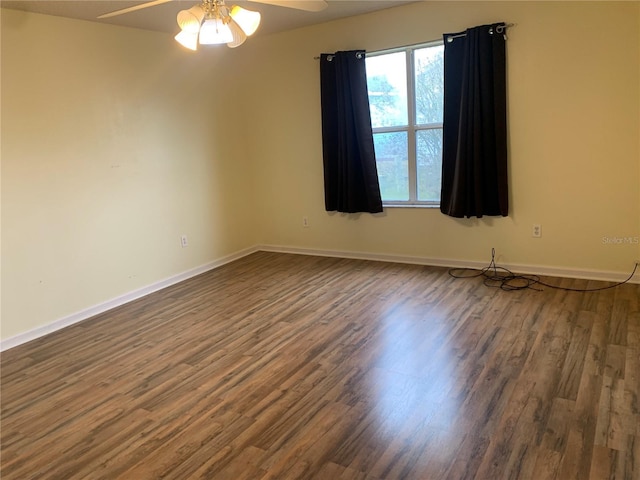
{"x": 505, "y": 279}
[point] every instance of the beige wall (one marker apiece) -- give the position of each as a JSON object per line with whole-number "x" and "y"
{"x": 115, "y": 142}
{"x": 574, "y": 143}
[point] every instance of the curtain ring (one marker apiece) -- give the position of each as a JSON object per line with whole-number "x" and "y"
{"x": 359, "y": 55}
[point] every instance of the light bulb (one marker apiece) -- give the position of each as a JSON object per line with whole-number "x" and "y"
{"x": 214, "y": 31}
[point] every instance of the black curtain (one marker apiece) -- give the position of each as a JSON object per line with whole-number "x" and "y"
{"x": 474, "y": 156}
{"x": 350, "y": 173}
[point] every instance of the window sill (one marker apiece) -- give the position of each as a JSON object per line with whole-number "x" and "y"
{"x": 409, "y": 205}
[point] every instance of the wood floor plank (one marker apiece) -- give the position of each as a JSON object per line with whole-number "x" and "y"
{"x": 281, "y": 366}
{"x": 574, "y": 362}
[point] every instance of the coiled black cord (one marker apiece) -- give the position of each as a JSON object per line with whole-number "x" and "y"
{"x": 505, "y": 279}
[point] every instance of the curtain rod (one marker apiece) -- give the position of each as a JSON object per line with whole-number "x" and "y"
{"x": 359, "y": 55}
{"x": 499, "y": 29}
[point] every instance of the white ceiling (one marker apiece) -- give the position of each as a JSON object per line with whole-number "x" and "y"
{"x": 162, "y": 18}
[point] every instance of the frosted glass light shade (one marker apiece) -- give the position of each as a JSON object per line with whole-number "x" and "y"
{"x": 191, "y": 19}
{"x": 188, "y": 39}
{"x": 214, "y": 31}
{"x": 238, "y": 35}
{"x": 248, "y": 20}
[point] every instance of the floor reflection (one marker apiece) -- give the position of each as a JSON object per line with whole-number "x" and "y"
{"x": 412, "y": 382}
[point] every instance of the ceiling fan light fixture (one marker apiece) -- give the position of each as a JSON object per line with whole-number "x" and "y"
{"x": 214, "y": 31}
{"x": 188, "y": 39}
{"x": 222, "y": 24}
{"x": 190, "y": 20}
{"x": 248, "y": 20}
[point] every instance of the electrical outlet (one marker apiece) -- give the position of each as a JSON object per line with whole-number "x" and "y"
{"x": 184, "y": 242}
{"x": 536, "y": 231}
{"x": 305, "y": 222}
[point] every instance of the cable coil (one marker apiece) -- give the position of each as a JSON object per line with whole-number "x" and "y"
{"x": 505, "y": 279}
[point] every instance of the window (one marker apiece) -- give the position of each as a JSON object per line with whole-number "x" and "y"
{"x": 406, "y": 100}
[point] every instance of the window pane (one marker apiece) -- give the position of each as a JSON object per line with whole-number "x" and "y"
{"x": 429, "y": 67}
{"x": 429, "y": 156}
{"x": 393, "y": 166}
{"x": 387, "y": 84}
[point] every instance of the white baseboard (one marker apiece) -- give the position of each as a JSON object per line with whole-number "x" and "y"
{"x": 436, "y": 262}
{"x": 602, "y": 275}
{"x": 118, "y": 301}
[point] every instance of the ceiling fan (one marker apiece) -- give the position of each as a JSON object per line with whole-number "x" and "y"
{"x": 213, "y": 22}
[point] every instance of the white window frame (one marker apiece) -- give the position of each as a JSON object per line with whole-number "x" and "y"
{"x": 411, "y": 128}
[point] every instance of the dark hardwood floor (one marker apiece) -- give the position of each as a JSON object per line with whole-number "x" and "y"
{"x": 291, "y": 367}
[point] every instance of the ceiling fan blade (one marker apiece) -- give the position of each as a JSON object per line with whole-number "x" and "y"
{"x": 307, "y": 5}
{"x": 134, "y": 8}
